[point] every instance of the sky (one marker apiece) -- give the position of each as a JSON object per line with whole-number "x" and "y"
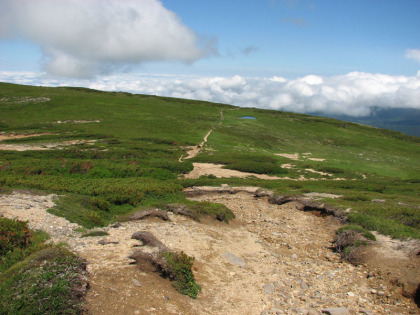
{"x": 324, "y": 56}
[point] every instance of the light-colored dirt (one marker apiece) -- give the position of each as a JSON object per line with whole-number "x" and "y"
{"x": 203, "y": 169}
{"x": 316, "y": 159}
{"x": 289, "y": 266}
{"x": 43, "y": 146}
{"x": 193, "y": 151}
{"x": 298, "y": 157}
{"x": 294, "y": 156}
{"x": 7, "y": 136}
{"x": 77, "y": 121}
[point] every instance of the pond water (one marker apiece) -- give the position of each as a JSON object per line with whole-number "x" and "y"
{"x": 247, "y": 117}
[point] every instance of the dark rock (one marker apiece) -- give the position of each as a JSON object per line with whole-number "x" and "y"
{"x": 303, "y": 204}
{"x": 116, "y": 225}
{"x": 262, "y": 193}
{"x": 367, "y": 312}
{"x": 157, "y": 213}
{"x": 104, "y": 242}
{"x": 220, "y": 217}
{"x": 149, "y": 239}
{"x": 181, "y": 210}
{"x": 279, "y": 200}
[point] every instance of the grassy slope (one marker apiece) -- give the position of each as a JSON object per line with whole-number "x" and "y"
{"x": 134, "y": 163}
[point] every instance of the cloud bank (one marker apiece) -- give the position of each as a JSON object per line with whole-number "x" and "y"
{"x": 81, "y": 38}
{"x": 354, "y": 94}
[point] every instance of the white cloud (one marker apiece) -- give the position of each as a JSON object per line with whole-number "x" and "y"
{"x": 80, "y": 38}
{"x": 352, "y": 94}
{"x": 413, "y": 54}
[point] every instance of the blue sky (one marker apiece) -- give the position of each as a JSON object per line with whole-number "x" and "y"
{"x": 331, "y": 56}
{"x": 300, "y": 37}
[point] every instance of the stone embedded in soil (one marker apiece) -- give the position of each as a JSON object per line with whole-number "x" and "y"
{"x": 234, "y": 260}
{"x": 336, "y": 311}
{"x": 136, "y": 282}
{"x": 269, "y": 288}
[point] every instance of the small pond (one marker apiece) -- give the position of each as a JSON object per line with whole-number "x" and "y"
{"x": 247, "y": 117}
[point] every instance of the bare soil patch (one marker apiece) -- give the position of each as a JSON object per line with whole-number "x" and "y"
{"x": 7, "y": 136}
{"x": 43, "y": 146}
{"x": 204, "y": 169}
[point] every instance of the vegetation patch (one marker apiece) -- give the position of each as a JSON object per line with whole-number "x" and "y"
{"x": 179, "y": 269}
{"x": 349, "y": 238}
{"x": 95, "y": 233}
{"x": 50, "y": 281}
{"x": 36, "y": 278}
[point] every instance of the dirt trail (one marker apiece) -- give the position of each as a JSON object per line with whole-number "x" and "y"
{"x": 288, "y": 265}
{"x": 194, "y": 150}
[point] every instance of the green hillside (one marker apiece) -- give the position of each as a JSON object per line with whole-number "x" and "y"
{"x": 112, "y": 153}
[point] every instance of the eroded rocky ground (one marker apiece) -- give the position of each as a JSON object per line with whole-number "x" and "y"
{"x": 270, "y": 260}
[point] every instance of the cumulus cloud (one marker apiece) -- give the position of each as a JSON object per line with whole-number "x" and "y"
{"x": 80, "y": 38}
{"x": 413, "y": 54}
{"x": 354, "y": 94}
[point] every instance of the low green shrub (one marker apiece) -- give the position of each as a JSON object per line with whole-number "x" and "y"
{"x": 95, "y": 233}
{"x": 50, "y": 281}
{"x": 100, "y": 203}
{"x": 14, "y": 234}
{"x": 79, "y": 167}
{"x": 258, "y": 168}
{"x": 179, "y": 267}
{"x": 357, "y": 228}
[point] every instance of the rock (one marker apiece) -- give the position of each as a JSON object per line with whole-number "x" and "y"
{"x": 262, "y": 193}
{"x": 116, "y": 225}
{"x": 277, "y": 284}
{"x": 136, "y": 282}
{"x": 105, "y": 242}
{"x": 269, "y": 288}
{"x": 350, "y": 294}
{"x": 303, "y": 286}
{"x": 265, "y": 312}
{"x": 220, "y": 217}
{"x": 181, "y": 210}
{"x": 234, "y": 260}
{"x": 149, "y": 239}
{"x": 294, "y": 256}
{"x": 367, "y": 312}
{"x": 336, "y": 311}
{"x": 157, "y": 213}
{"x": 274, "y": 310}
{"x": 373, "y": 291}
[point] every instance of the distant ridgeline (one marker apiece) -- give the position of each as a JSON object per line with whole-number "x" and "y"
{"x": 406, "y": 120}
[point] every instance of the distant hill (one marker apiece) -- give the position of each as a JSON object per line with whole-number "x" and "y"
{"x": 406, "y": 120}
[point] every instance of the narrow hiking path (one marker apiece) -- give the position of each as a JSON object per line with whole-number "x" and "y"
{"x": 270, "y": 260}
{"x": 194, "y": 150}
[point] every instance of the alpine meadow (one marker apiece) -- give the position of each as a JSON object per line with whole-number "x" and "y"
{"x": 109, "y": 163}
